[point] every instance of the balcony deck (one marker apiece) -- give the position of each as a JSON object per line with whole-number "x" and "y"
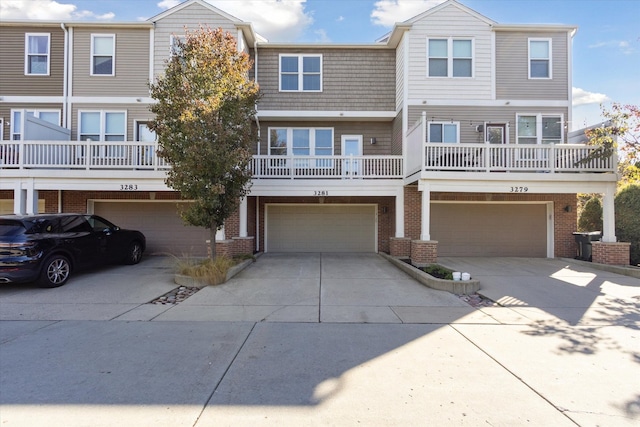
{"x": 142, "y": 157}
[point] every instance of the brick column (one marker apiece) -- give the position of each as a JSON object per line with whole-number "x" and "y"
{"x": 611, "y": 253}
{"x": 424, "y": 252}
{"x": 400, "y": 246}
{"x": 224, "y": 248}
{"x": 243, "y": 245}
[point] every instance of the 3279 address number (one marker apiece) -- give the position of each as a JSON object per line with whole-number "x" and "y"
{"x": 519, "y": 189}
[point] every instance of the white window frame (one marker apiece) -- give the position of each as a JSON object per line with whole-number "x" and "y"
{"x": 450, "y": 57}
{"x": 27, "y": 54}
{"x": 550, "y": 59}
{"x": 36, "y": 112}
{"x": 103, "y": 115}
{"x": 300, "y": 71}
{"x": 113, "y": 56}
{"x": 449, "y": 123}
{"x": 539, "y": 127}
{"x": 312, "y": 139}
{"x": 172, "y": 39}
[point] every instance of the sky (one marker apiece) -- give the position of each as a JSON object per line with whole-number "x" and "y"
{"x": 606, "y": 48}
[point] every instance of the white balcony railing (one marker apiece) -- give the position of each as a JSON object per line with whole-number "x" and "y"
{"x": 550, "y": 158}
{"x": 80, "y": 155}
{"x": 325, "y": 167}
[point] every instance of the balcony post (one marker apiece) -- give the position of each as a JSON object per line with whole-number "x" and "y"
{"x": 19, "y": 199}
{"x": 425, "y": 233}
{"x": 400, "y": 213}
{"x": 243, "y": 217}
{"x": 608, "y": 214}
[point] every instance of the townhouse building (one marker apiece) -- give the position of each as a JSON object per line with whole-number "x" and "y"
{"x": 446, "y": 137}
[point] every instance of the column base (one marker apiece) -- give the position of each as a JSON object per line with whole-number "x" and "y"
{"x": 617, "y": 253}
{"x": 400, "y": 247}
{"x": 424, "y": 252}
{"x": 243, "y": 245}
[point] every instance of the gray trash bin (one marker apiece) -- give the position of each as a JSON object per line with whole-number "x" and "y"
{"x": 584, "y": 239}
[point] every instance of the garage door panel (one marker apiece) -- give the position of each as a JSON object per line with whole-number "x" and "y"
{"x": 321, "y": 228}
{"x": 465, "y": 229}
{"x": 161, "y": 224}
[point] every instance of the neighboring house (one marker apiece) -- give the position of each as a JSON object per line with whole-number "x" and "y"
{"x": 446, "y": 137}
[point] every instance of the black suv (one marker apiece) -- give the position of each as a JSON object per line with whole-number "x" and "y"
{"x": 47, "y": 247}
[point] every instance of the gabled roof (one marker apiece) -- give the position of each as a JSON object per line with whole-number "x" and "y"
{"x": 450, "y": 3}
{"x": 246, "y": 27}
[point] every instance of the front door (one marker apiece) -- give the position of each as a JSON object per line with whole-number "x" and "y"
{"x": 144, "y": 134}
{"x": 495, "y": 134}
{"x": 352, "y": 150}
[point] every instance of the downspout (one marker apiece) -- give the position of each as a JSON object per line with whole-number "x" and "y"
{"x": 255, "y": 78}
{"x": 65, "y": 87}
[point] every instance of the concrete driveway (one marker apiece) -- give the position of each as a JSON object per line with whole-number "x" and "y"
{"x": 549, "y": 357}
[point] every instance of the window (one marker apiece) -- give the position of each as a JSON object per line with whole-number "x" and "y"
{"x": 301, "y": 141}
{"x": 36, "y": 52}
{"x": 301, "y": 73}
{"x": 448, "y": 57}
{"x": 540, "y": 129}
{"x": 444, "y": 132}
{"x": 539, "y": 58}
{"x": 51, "y": 116}
{"x": 173, "y": 44}
{"x": 103, "y": 48}
{"x": 102, "y": 126}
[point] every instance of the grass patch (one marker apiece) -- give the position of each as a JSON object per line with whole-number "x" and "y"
{"x": 438, "y": 271}
{"x": 212, "y": 272}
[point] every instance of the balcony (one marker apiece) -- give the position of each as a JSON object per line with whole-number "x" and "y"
{"x": 327, "y": 167}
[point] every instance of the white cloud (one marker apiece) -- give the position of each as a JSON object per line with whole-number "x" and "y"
{"x": 321, "y": 36}
{"x": 276, "y": 20}
{"x": 583, "y": 97}
{"x": 388, "y": 12}
{"x": 624, "y": 46}
{"x": 47, "y": 10}
{"x": 168, "y": 4}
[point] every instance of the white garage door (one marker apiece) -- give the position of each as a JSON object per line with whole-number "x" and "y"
{"x": 478, "y": 229}
{"x": 161, "y": 225}
{"x": 321, "y": 228}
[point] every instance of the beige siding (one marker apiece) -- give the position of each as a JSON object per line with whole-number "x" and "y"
{"x": 352, "y": 80}
{"x": 470, "y": 117}
{"x": 396, "y": 143}
{"x": 382, "y": 131}
{"x": 13, "y": 81}
{"x": 400, "y": 69}
{"x": 450, "y": 22}
{"x": 190, "y": 17}
{"x": 131, "y": 62}
{"x": 135, "y": 112}
{"x": 512, "y": 67}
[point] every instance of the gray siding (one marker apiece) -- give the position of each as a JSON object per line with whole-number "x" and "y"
{"x": 353, "y": 80}
{"x": 382, "y": 131}
{"x": 396, "y": 143}
{"x": 13, "y": 82}
{"x": 190, "y": 17}
{"x": 512, "y": 67}
{"x": 132, "y": 63}
{"x": 135, "y": 112}
{"x": 470, "y": 117}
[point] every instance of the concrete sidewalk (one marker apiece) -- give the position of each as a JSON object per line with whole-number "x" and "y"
{"x": 544, "y": 359}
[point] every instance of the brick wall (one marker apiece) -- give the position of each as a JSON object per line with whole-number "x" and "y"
{"x": 424, "y": 252}
{"x": 611, "y": 253}
{"x": 564, "y": 222}
{"x": 400, "y": 246}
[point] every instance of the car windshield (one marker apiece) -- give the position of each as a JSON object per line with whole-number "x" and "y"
{"x": 10, "y": 227}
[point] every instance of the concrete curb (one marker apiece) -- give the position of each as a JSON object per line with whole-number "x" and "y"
{"x": 191, "y": 282}
{"x": 465, "y": 287}
{"x": 618, "y": 269}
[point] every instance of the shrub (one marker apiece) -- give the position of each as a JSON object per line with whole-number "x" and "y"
{"x": 591, "y": 216}
{"x": 438, "y": 271}
{"x": 211, "y": 271}
{"x": 627, "y": 206}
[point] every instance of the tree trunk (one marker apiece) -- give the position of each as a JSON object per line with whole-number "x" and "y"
{"x": 212, "y": 242}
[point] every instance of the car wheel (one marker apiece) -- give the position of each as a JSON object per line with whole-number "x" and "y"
{"x": 134, "y": 253}
{"x": 56, "y": 271}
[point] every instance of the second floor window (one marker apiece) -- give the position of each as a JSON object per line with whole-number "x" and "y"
{"x": 37, "y": 54}
{"x": 301, "y": 73}
{"x": 448, "y": 57}
{"x": 301, "y": 141}
{"x": 540, "y": 129}
{"x": 444, "y": 132}
{"x": 539, "y": 58}
{"x": 51, "y": 116}
{"x": 103, "y": 53}
{"x": 102, "y": 126}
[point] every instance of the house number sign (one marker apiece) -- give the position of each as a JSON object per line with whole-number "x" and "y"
{"x": 321, "y": 193}
{"x": 519, "y": 189}
{"x": 128, "y": 187}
